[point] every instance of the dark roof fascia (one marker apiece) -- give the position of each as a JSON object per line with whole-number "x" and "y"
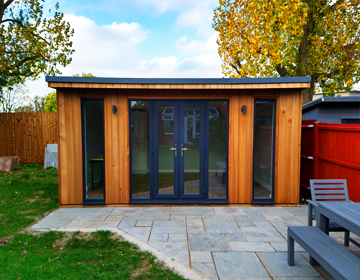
{"x": 178, "y": 81}
{"x": 322, "y": 100}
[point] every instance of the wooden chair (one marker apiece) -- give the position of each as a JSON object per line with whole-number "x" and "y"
{"x": 323, "y": 190}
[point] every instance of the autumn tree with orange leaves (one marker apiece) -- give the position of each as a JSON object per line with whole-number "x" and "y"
{"x": 286, "y": 38}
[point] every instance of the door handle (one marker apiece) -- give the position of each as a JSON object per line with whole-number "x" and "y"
{"x": 174, "y": 149}
{"x": 182, "y": 150}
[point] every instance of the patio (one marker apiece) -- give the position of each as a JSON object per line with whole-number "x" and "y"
{"x": 214, "y": 242}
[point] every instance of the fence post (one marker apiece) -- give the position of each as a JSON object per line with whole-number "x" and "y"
{"x": 316, "y": 151}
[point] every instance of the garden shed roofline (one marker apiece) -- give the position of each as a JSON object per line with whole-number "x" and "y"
{"x": 177, "y": 83}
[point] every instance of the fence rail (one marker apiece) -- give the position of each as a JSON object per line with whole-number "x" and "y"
{"x": 27, "y": 134}
{"x": 331, "y": 151}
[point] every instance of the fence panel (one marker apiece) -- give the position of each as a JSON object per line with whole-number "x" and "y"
{"x": 337, "y": 154}
{"x": 27, "y": 134}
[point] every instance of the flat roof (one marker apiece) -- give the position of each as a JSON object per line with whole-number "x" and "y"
{"x": 177, "y": 81}
{"x": 330, "y": 99}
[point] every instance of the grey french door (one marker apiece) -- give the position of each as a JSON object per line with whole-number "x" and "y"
{"x": 178, "y": 151}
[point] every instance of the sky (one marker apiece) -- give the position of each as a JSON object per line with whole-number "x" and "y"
{"x": 139, "y": 38}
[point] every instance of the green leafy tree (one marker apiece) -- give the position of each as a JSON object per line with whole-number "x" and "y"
{"x": 50, "y": 102}
{"x": 32, "y": 44}
{"x": 84, "y": 75}
{"x": 319, "y": 38}
{"x": 50, "y": 99}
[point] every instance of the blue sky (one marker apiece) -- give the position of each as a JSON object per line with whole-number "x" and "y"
{"x": 139, "y": 38}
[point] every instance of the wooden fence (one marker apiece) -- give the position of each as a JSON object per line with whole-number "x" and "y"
{"x": 27, "y": 134}
{"x": 331, "y": 151}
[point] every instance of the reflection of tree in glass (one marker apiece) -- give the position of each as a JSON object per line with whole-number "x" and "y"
{"x": 94, "y": 115}
{"x": 139, "y": 105}
{"x": 217, "y": 135}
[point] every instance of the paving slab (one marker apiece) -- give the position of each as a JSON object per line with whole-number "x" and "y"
{"x": 233, "y": 264}
{"x": 159, "y": 237}
{"x": 273, "y": 211}
{"x": 235, "y": 237}
{"x": 217, "y": 224}
{"x": 114, "y": 219}
{"x": 251, "y": 247}
{"x": 208, "y": 242}
{"x": 264, "y": 234}
{"x": 169, "y": 227}
{"x": 128, "y": 222}
{"x": 194, "y": 221}
{"x": 254, "y": 214}
{"x": 200, "y": 256}
{"x": 155, "y": 213}
{"x": 78, "y": 222}
{"x": 234, "y": 211}
{"x": 263, "y": 224}
{"x": 176, "y": 250}
{"x": 127, "y": 211}
{"x": 195, "y": 229}
{"x": 100, "y": 225}
{"x": 282, "y": 247}
{"x": 276, "y": 265}
{"x": 193, "y": 210}
{"x": 141, "y": 233}
{"x": 177, "y": 217}
{"x": 144, "y": 223}
{"x": 177, "y": 237}
{"x": 205, "y": 268}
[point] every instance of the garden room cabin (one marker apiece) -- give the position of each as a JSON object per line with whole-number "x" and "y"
{"x": 179, "y": 141}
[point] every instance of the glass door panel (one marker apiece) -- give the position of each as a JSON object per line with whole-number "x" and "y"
{"x": 166, "y": 149}
{"x": 93, "y": 150}
{"x": 217, "y": 172}
{"x": 190, "y": 149}
{"x": 264, "y": 138}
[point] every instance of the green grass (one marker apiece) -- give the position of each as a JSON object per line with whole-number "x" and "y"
{"x": 25, "y": 195}
{"x": 55, "y": 255}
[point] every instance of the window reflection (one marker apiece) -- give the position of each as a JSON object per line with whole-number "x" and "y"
{"x": 218, "y": 147}
{"x": 140, "y": 152}
{"x": 263, "y": 148}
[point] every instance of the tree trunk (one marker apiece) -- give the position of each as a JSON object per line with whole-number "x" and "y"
{"x": 304, "y": 56}
{"x": 308, "y": 93}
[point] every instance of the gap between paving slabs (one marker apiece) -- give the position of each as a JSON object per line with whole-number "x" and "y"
{"x": 175, "y": 266}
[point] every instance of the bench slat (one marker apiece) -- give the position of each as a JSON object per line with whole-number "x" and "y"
{"x": 326, "y": 251}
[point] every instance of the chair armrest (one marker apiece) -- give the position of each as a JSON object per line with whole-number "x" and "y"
{"x": 313, "y": 203}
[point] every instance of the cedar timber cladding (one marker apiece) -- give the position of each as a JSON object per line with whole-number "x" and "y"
{"x": 241, "y": 131}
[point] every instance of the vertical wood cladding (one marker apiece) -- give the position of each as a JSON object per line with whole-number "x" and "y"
{"x": 241, "y": 126}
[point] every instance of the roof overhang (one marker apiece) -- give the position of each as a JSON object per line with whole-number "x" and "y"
{"x": 178, "y": 83}
{"x": 322, "y": 100}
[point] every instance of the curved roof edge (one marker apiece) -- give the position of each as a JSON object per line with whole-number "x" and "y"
{"x": 320, "y": 100}
{"x": 100, "y": 80}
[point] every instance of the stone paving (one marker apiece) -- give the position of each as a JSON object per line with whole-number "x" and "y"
{"x": 216, "y": 242}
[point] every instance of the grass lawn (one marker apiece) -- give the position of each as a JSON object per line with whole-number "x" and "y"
{"x": 25, "y": 196}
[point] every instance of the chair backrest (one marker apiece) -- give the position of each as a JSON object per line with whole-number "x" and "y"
{"x": 329, "y": 189}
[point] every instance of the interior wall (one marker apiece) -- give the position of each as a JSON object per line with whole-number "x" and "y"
{"x": 241, "y": 126}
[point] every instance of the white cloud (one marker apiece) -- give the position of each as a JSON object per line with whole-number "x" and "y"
{"x": 196, "y": 46}
{"x": 103, "y": 48}
{"x": 198, "y": 16}
{"x": 111, "y": 51}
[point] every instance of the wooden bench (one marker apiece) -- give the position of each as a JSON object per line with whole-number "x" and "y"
{"x": 332, "y": 256}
